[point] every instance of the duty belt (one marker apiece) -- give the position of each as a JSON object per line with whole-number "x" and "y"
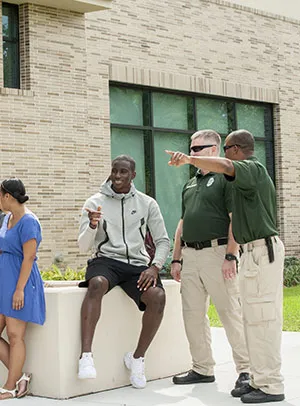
{"x": 268, "y": 241}
{"x": 199, "y": 245}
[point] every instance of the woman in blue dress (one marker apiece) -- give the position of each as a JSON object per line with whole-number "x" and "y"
{"x": 21, "y": 288}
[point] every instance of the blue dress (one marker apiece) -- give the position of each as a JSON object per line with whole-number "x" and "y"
{"x": 11, "y": 257}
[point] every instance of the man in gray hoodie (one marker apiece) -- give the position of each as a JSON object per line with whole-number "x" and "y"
{"x": 113, "y": 225}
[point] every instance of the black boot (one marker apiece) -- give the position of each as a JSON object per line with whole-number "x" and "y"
{"x": 242, "y": 380}
{"x": 258, "y": 396}
{"x": 192, "y": 377}
{"x": 242, "y": 390}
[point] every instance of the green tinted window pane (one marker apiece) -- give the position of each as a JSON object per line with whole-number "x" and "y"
{"x": 130, "y": 142}
{"x": 11, "y": 65}
{"x": 126, "y": 106}
{"x": 10, "y": 22}
{"x": 170, "y": 111}
{"x": 251, "y": 118}
{"x": 260, "y": 152}
{"x": 212, "y": 114}
{"x": 5, "y": 26}
{"x": 169, "y": 181}
{"x": 222, "y": 153}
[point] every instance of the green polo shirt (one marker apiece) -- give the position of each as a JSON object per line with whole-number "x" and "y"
{"x": 206, "y": 202}
{"x": 253, "y": 201}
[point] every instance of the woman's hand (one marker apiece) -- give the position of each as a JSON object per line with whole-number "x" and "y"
{"x": 18, "y": 299}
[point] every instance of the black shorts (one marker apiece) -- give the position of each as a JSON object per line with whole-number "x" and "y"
{"x": 118, "y": 274}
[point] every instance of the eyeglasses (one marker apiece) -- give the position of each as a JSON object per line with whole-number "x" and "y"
{"x": 198, "y": 148}
{"x": 226, "y": 147}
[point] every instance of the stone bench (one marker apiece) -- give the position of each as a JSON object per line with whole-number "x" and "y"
{"x": 53, "y": 349}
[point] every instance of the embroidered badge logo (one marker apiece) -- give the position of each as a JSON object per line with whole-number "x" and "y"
{"x": 210, "y": 182}
{"x": 133, "y": 212}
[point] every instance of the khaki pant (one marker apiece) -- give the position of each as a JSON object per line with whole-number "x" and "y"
{"x": 201, "y": 278}
{"x": 261, "y": 286}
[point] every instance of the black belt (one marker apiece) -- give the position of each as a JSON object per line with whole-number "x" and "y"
{"x": 199, "y": 245}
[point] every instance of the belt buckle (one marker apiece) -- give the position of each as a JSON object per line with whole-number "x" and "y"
{"x": 199, "y": 246}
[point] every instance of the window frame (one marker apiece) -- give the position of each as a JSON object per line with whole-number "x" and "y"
{"x": 149, "y": 129}
{"x": 16, "y": 74}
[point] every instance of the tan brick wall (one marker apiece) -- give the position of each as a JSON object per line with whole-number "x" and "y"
{"x": 55, "y": 132}
{"x": 218, "y": 44}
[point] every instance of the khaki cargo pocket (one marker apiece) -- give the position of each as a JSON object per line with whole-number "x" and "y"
{"x": 249, "y": 280}
{"x": 259, "y": 309}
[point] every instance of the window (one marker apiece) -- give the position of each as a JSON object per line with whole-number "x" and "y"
{"x": 145, "y": 122}
{"x": 10, "y": 32}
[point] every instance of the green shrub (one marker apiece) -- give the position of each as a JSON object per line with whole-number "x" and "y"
{"x": 55, "y": 274}
{"x": 291, "y": 275}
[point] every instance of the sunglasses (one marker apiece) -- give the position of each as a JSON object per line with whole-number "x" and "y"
{"x": 226, "y": 147}
{"x": 198, "y": 148}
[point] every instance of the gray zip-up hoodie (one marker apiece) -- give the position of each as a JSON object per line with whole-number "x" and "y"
{"x": 121, "y": 231}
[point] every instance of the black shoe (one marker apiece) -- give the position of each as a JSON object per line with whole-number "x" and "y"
{"x": 192, "y": 377}
{"x": 242, "y": 380}
{"x": 258, "y": 396}
{"x": 242, "y": 390}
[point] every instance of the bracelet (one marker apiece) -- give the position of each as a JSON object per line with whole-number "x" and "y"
{"x": 177, "y": 261}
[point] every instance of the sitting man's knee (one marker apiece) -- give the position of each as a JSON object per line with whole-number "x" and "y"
{"x": 97, "y": 286}
{"x": 156, "y": 299}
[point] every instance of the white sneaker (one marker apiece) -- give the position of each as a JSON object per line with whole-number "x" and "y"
{"x": 86, "y": 367}
{"x": 137, "y": 369}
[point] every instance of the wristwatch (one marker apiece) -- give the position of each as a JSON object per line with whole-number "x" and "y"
{"x": 231, "y": 257}
{"x": 177, "y": 261}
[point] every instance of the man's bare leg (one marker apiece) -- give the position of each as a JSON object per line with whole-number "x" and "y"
{"x": 91, "y": 310}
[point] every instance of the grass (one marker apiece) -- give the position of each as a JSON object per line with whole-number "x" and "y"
{"x": 291, "y": 310}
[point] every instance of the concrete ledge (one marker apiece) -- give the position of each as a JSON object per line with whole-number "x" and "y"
{"x": 125, "y": 73}
{"x": 53, "y": 349}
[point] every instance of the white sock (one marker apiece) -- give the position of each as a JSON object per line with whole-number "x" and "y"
{"x": 87, "y": 355}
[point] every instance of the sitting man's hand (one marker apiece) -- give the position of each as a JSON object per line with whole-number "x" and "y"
{"x": 94, "y": 216}
{"x": 148, "y": 278}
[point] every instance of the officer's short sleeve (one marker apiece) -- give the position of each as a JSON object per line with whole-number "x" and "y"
{"x": 182, "y": 200}
{"x": 182, "y": 207}
{"x": 228, "y": 196}
{"x": 30, "y": 230}
{"x": 246, "y": 174}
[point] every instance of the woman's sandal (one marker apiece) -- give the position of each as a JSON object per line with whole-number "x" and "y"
{"x": 13, "y": 392}
{"x": 27, "y": 378}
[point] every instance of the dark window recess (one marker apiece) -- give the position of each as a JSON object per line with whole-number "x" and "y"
{"x": 11, "y": 56}
{"x": 145, "y": 121}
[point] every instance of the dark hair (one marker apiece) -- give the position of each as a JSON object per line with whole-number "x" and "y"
{"x": 125, "y": 158}
{"x": 244, "y": 139}
{"x": 15, "y": 187}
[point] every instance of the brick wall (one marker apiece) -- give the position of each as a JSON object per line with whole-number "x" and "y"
{"x": 55, "y": 132}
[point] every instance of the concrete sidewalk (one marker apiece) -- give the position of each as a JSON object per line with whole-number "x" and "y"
{"x": 164, "y": 393}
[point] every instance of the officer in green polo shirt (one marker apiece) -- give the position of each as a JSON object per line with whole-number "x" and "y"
{"x": 261, "y": 267}
{"x": 204, "y": 240}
